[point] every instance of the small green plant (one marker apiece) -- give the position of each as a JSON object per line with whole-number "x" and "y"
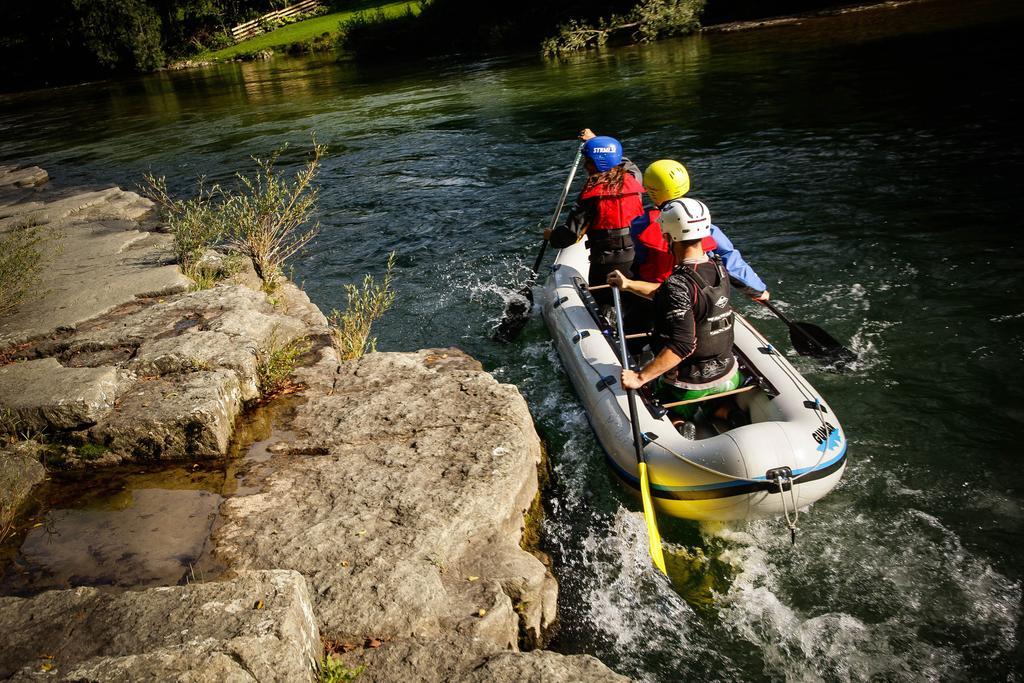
{"x": 21, "y": 260}
{"x": 197, "y": 224}
{"x": 350, "y": 329}
{"x": 7, "y": 515}
{"x": 13, "y": 428}
{"x": 193, "y": 364}
{"x": 208, "y": 272}
{"x": 91, "y": 451}
{"x": 275, "y": 362}
{"x": 265, "y": 218}
{"x": 203, "y": 279}
{"x": 333, "y": 670}
{"x": 270, "y": 213}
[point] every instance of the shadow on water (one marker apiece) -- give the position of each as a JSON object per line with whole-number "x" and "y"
{"x": 136, "y": 526}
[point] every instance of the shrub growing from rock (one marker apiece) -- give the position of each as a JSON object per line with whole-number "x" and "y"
{"x": 333, "y": 670}
{"x": 350, "y": 329}
{"x": 270, "y": 214}
{"x": 198, "y": 223}
{"x": 275, "y": 362}
{"x": 266, "y": 218}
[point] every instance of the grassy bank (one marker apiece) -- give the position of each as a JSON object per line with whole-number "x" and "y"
{"x": 315, "y": 33}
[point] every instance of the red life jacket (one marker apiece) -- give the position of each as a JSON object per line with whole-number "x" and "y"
{"x": 660, "y": 260}
{"x": 616, "y": 208}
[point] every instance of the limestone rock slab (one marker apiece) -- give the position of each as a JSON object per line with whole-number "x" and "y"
{"x": 541, "y": 666}
{"x": 256, "y": 627}
{"x": 32, "y": 176}
{"x": 198, "y": 349}
{"x": 188, "y": 415}
{"x": 96, "y": 259}
{"x": 43, "y": 393}
{"x": 233, "y": 310}
{"x": 20, "y": 471}
{"x": 421, "y": 460}
{"x": 296, "y": 303}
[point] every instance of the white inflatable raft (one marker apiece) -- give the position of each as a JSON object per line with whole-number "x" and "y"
{"x": 792, "y": 453}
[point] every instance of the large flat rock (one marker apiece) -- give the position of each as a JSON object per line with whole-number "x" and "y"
{"x": 97, "y": 258}
{"x": 31, "y": 176}
{"x": 152, "y": 379}
{"x": 406, "y": 518}
{"x": 452, "y": 659}
{"x": 256, "y": 627}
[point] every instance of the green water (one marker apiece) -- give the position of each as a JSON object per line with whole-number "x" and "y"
{"x": 868, "y": 168}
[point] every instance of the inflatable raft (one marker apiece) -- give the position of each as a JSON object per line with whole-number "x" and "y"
{"x": 791, "y": 452}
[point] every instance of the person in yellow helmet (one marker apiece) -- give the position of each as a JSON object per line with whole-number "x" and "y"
{"x": 664, "y": 181}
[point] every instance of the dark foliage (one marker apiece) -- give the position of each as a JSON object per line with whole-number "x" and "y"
{"x": 44, "y": 42}
{"x": 471, "y": 26}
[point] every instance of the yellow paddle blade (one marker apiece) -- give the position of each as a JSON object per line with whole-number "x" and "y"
{"x": 652, "y": 522}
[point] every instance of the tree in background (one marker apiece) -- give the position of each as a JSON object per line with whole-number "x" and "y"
{"x": 647, "y": 21}
{"x": 120, "y": 35}
{"x": 44, "y": 42}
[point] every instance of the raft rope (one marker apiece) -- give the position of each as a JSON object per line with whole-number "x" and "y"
{"x": 790, "y": 522}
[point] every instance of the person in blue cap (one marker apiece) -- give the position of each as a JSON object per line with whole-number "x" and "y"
{"x": 611, "y": 198}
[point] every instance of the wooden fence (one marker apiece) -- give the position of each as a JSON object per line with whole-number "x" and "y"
{"x": 255, "y": 27}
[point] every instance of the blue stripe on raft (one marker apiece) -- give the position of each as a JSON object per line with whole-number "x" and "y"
{"x": 634, "y": 481}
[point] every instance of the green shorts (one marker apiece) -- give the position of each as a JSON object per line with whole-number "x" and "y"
{"x": 670, "y": 394}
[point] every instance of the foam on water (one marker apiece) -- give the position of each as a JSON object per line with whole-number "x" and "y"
{"x": 877, "y": 586}
{"x": 912, "y": 582}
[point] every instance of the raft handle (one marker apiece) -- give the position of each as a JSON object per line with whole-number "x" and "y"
{"x": 816, "y": 404}
{"x": 783, "y": 474}
{"x": 582, "y": 335}
{"x": 606, "y": 382}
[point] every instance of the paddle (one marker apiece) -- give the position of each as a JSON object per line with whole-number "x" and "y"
{"x": 517, "y": 310}
{"x": 653, "y": 536}
{"x": 810, "y": 340}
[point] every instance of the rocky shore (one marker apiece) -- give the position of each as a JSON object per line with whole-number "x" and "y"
{"x": 385, "y": 526}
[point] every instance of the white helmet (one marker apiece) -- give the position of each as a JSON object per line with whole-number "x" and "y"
{"x": 685, "y": 219}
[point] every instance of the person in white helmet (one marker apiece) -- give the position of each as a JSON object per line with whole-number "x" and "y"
{"x": 693, "y": 322}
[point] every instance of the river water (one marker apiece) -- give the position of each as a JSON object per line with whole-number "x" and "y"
{"x": 867, "y": 165}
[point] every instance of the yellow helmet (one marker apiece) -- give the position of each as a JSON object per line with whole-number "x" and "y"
{"x": 666, "y": 179}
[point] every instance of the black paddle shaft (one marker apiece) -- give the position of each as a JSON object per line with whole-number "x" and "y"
{"x": 634, "y": 418}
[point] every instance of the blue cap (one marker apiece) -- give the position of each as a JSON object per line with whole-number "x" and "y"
{"x": 604, "y": 151}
